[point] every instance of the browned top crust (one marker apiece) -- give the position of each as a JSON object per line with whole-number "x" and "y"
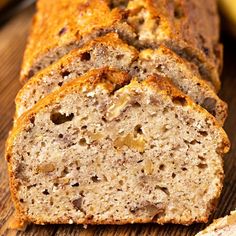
{"x": 191, "y": 28}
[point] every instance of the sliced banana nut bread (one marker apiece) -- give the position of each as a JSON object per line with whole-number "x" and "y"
{"x": 190, "y": 28}
{"x": 98, "y": 151}
{"x": 111, "y": 51}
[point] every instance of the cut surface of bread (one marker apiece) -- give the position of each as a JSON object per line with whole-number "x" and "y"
{"x": 190, "y": 28}
{"x": 108, "y": 149}
{"x": 104, "y": 51}
{"x": 111, "y": 51}
{"x": 225, "y": 226}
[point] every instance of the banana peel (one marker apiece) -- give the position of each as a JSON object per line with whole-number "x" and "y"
{"x": 228, "y": 10}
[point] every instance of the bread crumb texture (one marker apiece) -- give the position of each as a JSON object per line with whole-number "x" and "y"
{"x": 114, "y": 149}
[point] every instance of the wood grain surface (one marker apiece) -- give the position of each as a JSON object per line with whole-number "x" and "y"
{"x": 12, "y": 43}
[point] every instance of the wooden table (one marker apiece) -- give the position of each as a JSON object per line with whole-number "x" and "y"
{"x": 12, "y": 42}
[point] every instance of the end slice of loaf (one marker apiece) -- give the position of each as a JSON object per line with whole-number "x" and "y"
{"x": 98, "y": 151}
{"x": 190, "y": 28}
{"x": 111, "y": 51}
{"x": 225, "y": 226}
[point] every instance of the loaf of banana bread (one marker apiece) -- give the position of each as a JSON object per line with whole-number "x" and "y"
{"x": 118, "y": 120}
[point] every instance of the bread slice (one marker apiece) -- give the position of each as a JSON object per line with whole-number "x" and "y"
{"x": 111, "y": 51}
{"x": 190, "y": 28}
{"x": 98, "y": 151}
{"x": 59, "y": 27}
{"x": 108, "y": 50}
{"x": 225, "y": 226}
{"x": 165, "y": 62}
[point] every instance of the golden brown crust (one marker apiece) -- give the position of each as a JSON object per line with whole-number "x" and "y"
{"x": 88, "y": 221}
{"x": 111, "y": 39}
{"x": 109, "y": 79}
{"x": 186, "y": 27}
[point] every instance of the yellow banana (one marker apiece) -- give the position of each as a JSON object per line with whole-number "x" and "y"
{"x": 228, "y": 9}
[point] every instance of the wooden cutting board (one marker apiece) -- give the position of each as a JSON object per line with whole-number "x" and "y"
{"x": 12, "y": 43}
